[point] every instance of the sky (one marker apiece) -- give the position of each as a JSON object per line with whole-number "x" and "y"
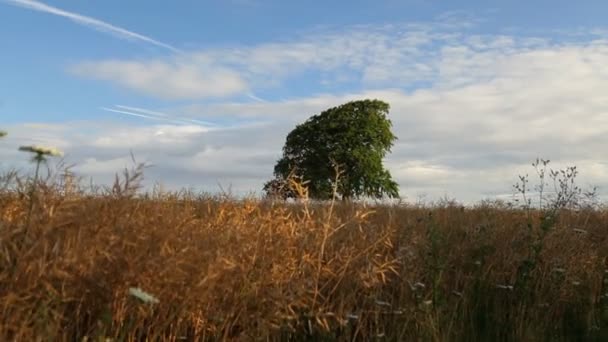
{"x": 206, "y": 91}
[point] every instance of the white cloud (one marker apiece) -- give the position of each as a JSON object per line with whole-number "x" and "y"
{"x": 166, "y": 80}
{"x": 104, "y": 168}
{"x": 93, "y": 23}
{"x": 164, "y": 137}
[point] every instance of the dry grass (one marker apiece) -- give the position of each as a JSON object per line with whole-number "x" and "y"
{"x": 255, "y": 270}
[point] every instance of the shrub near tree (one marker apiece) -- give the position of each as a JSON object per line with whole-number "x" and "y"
{"x": 353, "y": 138}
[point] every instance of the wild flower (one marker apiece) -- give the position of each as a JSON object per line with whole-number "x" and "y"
{"x": 505, "y": 287}
{"x": 352, "y": 316}
{"x": 419, "y": 285}
{"x": 40, "y": 157}
{"x": 382, "y": 303}
{"x": 42, "y": 151}
{"x": 143, "y": 296}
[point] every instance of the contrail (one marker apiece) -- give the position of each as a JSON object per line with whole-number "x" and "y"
{"x": 139, "y": 113}
{"x": 163, "y": 115}
{"x": 259, "y": 99}
{"x": 93, "y": 23}
{"x": 145, "y": 111}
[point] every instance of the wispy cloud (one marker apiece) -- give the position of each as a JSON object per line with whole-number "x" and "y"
{"x": 93, "y": 23}
{"x": 358, "y": 56}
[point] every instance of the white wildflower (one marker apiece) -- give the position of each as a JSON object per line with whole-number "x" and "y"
{"x": 420, "y": 285}
{"x": 382, "y": 303}
{"x": 42, "y": 151}
{"x": 142, "y": 295}
{"x": 505, "y": 287}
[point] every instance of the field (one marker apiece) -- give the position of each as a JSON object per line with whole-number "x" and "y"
{"x": 219, "y": 268}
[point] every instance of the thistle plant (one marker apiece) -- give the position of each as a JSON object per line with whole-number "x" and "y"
{"x": 40, "y": 156}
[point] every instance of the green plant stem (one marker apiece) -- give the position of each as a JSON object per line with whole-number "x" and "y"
{"x": 32, "y": 194}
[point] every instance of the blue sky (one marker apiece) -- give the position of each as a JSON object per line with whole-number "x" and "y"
{"x": 207, "y": 90}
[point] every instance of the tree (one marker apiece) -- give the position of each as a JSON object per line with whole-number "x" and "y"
{"x": 354, "y": 137}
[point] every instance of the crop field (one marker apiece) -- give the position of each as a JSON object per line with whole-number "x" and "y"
{"x": 265, "y": 170}
{"x": 121, "y": 266}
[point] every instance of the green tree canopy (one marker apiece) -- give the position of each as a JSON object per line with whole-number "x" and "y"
{"x": 355, "y": 136}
